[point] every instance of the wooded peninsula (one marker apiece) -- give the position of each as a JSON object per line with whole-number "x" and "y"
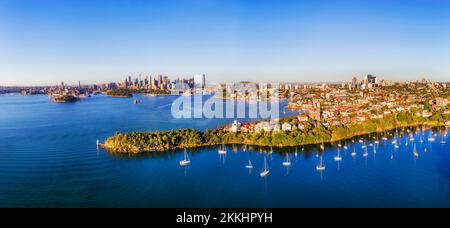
{"x": 312, "y": 133}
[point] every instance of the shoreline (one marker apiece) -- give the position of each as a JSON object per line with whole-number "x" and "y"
{"x": 112, "y": 149}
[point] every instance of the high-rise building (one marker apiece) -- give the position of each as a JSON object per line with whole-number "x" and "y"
{"x": 203, "y": 81}
{"x": 370, "y": 79}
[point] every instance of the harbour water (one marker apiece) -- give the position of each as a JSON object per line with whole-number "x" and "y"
{"x": 49, "y": 158}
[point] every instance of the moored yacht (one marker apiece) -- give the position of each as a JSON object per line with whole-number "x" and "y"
{"x": 222, "y": 150}
{"x": 320, "y": 166}
{"x": 249, "y": 165}
{"x": 265, "y": 172}
{"x": 338, "y": 157}
{"x": 287, "y": 162}
{"x": 186, "y": 161}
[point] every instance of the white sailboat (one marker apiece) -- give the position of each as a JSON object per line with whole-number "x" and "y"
{"x": 287, "y": 162}
{"x": 322, "y": 147}
{"x": 222, "y": 151}
{"x": 265, "y": 172}
{"x": 416, "y": 154}
{"x": 320, "y": 166}
{"x": 186, "y": 160}
{"x": 338, "y": 156}
{"x": 249, "y": 165}
{"x": 365, "y": 154}
{"x": 354, "y": 151}
{"x": 443, "y": 140}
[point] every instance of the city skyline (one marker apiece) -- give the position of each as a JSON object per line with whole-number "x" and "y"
{"x": 46, "y": 42}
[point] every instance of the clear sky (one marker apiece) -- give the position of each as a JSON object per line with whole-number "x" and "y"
{"x": 48, "y": 41}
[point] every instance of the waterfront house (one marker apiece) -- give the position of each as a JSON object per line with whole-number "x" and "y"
{"x": 235, "y": 127}
{"x": 286, "y": 127}
{"x": 303, "y": 118}
{"x": 426, "y": 114}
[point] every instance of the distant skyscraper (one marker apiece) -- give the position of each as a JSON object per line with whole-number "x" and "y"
{"x": 371, "y": 79}
{"x": 203, "y": 81}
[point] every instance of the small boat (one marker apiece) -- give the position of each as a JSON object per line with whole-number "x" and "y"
{"x": 186, "y": 161}
{"x": 396, "y": 146}
{"x": 425, "y": 150}
{"x": 320, "y": 166}
{"x": 431, "y": 139}
{"x": 265, "y": 172}
{"x": 443, "y": 142}
{"x": 416, "y": 154}
{"x": 371, "y": 145}
{"x": 340, "y": 145}
{"x": 363, "y": 147}
{"x": 338, "y": 156}
{"x": 361, "y": 141}
{"x": 222, "y": 151}
{"x": 392, "y": 157}
{"x": 322, "y": 147}
{"x": 287, "y": 163}
{"x": 385, "y": 139}
{"x": 249, "y": 165}
{"x": 365, "y": 154}
{"x": 98, "y": 142}
{"x": 345, "y": 147}
{"x": 377, "y": 142}
{"x": 354, "y": 152}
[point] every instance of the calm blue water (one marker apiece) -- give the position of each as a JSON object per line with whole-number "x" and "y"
{"x": 48, "y": 158}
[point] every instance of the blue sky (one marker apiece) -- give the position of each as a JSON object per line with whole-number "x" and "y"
{"x": 45, "y": 42}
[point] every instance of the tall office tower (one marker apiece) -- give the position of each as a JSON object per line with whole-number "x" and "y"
{"x": 203, "y": 81}
{"x": 160, "y": 79}
{"x": 354, "y": 81}
{"x": 79, "y": 84}
{"x": 129, "y": 80}
{"x": 370, "y": 79}
{"x": 150, "y": 82}
{"x": 166, "y": 80}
